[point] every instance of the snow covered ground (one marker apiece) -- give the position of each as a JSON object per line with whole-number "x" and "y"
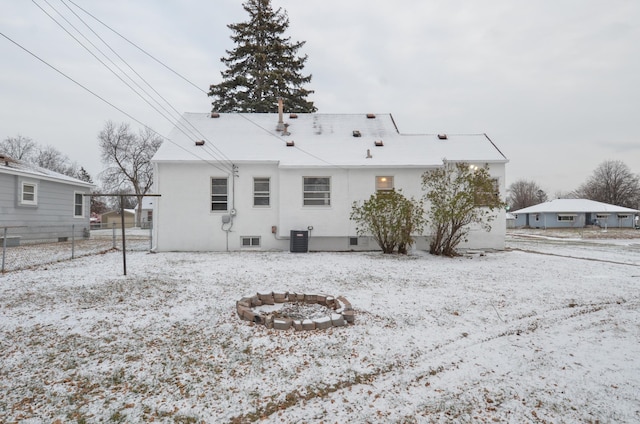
{"x": 547, "y": 331}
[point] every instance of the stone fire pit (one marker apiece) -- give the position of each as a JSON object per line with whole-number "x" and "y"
{"x": 283, "y": 311}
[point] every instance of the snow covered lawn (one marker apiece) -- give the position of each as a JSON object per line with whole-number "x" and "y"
{"x": 513, "y": 336}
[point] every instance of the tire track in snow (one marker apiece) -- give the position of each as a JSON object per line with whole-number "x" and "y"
{"x": 517, "y": 249}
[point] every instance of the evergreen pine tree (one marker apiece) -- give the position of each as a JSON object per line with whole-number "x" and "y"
{"x": 263, "y": 67}
{"x": 83, "y": 175}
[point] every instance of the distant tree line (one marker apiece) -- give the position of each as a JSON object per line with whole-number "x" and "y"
{"x": 26, "y": 150}
{"x": 611, "y": 182}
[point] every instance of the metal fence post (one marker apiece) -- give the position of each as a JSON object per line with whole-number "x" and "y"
{"x": 73, "y": 240}
{"x": 150, "y": 236}
{"x": 114, "y": 234}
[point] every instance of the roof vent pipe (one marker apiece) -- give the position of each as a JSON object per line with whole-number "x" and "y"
{"x": 280, "y": 126}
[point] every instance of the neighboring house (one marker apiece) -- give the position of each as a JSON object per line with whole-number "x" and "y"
{"x": 511, "y": 220}
{"x": 146, "y": 215}
{"x": 258, "y": 182}
{"x": 37, "y": 204}
{"x": 113, "y": 219}
{"x": 575, "y": 213}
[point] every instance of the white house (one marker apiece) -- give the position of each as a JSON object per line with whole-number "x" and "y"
{"x": 146, "y": 214}
{"x": 575, "y": 213}
{"x": 278, "y": 181}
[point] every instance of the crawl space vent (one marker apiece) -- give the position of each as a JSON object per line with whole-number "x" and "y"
{"x": 442, "y": 136}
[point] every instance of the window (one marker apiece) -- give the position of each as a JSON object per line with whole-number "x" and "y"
{"x": 487, "y": 197}
{"x": 317, "y": 191}
{"x": 624, "y": 216}
{"x": 602, "y": 216}
{"x": 29, "y": 194}
{"x": 261, "y": 191}
{"x": 353, "y": 241}
{"x": 384, "y": 183}
{"x": 566, "y": 218}
{"x": 219, "y": 194}
{"x": 78, "y": 205}
{"x": 250, "y": 241}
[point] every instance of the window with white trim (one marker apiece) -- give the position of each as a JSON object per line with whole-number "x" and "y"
{"x": 384, "y": 183}
{"x": 566, "y": 218}
{"x": 29, "y": 193}
{"x": 316, "y": 191}
{"x": 250, "y": 241}
{"x": 602, "y": 216}
{"x": 78, "y": 205}
{"x": 483, "y": 198}
{"x": 624, "y": 216}
{"x": 261, "y": 191}
{"x": 219, "y": 194}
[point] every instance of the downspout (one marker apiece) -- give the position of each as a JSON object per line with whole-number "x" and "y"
{"x": 232, "y": 210}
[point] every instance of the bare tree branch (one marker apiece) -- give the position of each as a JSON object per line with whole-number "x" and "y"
{"x": 128, "y": 159}
{"x": 614, "y": 183}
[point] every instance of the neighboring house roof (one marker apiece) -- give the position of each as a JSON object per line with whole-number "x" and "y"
{"x": 16, "y": 167}
{"x": 319, "y": 140}
{"x": 574, "y": 206}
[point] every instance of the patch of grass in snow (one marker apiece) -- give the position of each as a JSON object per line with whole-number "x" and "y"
{"x": 307, "y": 393}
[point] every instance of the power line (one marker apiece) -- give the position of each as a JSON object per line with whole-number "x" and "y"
{"x": 177, "y": 122}
{"x": 107, "y": 102}
{"x": 171, "y": 120}
{"x": 175, "y": 72}
{"x": 138, "y": 47}
{"x": 108, "y": 68}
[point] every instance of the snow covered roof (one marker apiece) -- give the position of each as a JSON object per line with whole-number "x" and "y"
{"x": 16, "y": 167}
{"x": 318, "y": 140}
{"x": 574, "y": 206}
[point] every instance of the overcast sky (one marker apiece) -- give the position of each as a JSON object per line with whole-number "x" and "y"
{"x": 554, "y": 83}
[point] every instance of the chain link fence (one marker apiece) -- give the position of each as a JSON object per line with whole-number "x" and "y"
{"x": 27, "y": 246}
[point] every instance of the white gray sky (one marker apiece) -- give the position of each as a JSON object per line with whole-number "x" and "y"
{"x": 554, "y": 83}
